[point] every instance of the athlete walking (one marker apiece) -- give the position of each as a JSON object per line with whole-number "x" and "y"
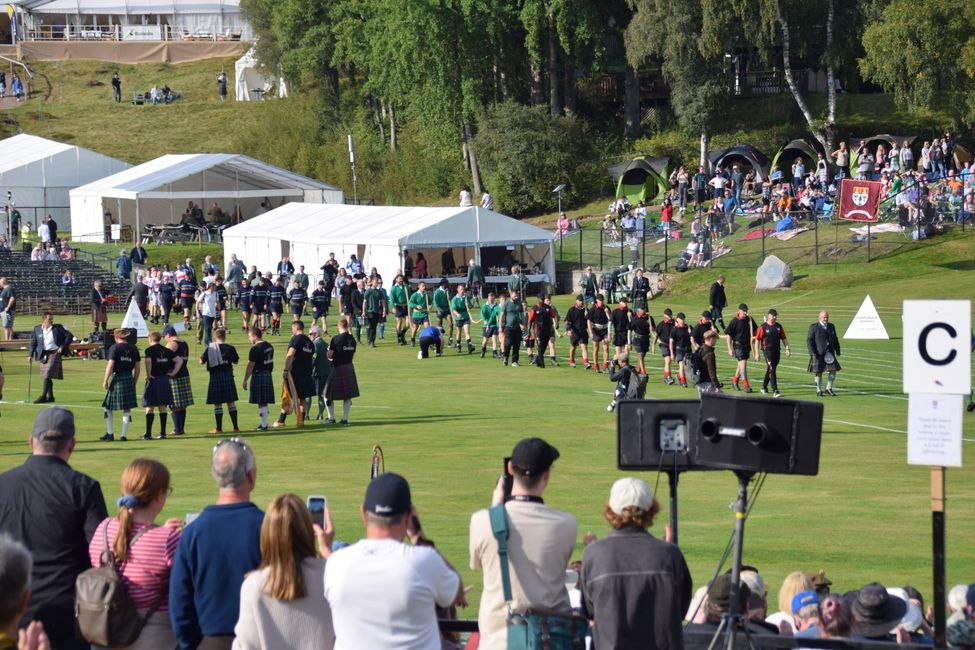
{"x": 771, "y": 336}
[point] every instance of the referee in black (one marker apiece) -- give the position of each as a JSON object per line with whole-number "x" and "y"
{"x": 717, "y": 301}
{"x": 771, "y": 336}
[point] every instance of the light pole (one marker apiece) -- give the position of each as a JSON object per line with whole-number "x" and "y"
{"x": 355, "y": 191}
{"x": 558, "y": 190}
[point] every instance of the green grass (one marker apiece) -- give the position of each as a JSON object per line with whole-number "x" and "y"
{"x": 159, "y": 254}
{"x": 446, "y": 424}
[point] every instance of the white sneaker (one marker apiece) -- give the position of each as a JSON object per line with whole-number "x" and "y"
{"x": 419, "y": 355}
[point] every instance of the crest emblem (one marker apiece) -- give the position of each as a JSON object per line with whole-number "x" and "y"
{"x": 860, "y": 196}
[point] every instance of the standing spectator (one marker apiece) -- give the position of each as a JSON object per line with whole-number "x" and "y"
{"x": 123, "y": 266}
{"x": 234, "y": 276}
{"x": 99, "y": 313}
{"x": 540, "y": 544}
{"x": 487, "y": 201}
{"x": 117, "y": 87}
{"x": 383, "y": 593}
{"x": 52, "y": 229}
{"x": 301, "y": 278}
{"x": 17, "y": 86}
{"x": 282, "y": 604}
{"x": 8, "y": 308}
{"x": 842, "y": 161}
{"x": 143, "y": 550}
{"x": 342, "y": 384}
{"x": 222, "y": 85}
{"x": 285, "y": 269}
{"x": 635, "y": 587}
{"x": 49, "y": 342}
{"x": 54, "y": 511}
{"x": 15, "y": 569}
{"x": 44, "y": 233}
{"x": 3, "y": 84}
{"x": 138, "y": 256}
{"x": 466, "y": 200}
{"x": 206, "y": 303}
{"x": 204, "y": 588}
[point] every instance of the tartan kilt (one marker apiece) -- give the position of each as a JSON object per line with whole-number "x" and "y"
{"x": 51, "y": 367}
{"x": 342, "y": 383}
{"x": 262, "y": 389}
{"x": 98, "y": 314}
{"x": 181, "y": 391}
{"x": 304, "y": 385}
{"x": 817, "y": 364}
{"x": 222, "y": 389}
{"x": 157, "y": 392}
{"x": 121, "y": 394}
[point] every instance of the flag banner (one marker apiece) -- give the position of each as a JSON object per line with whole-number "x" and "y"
{"x": 859, "y": 200}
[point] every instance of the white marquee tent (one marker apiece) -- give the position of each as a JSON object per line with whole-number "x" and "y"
{"x": 39, "y": 174}
{"x": 378, "y": 235}
{"x": 249, "y": 77}
{"x": 157, "y": 192}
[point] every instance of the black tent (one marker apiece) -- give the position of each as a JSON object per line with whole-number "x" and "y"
{"x": 742, "y": 154}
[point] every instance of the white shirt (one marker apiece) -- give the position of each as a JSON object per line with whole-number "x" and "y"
{"x": 382, "y": 593}
{"x": 487, "y": 201}
{"x": 44, "y": 231}
{"x": 49, "y": 343}
{"x": 208, "y": 303}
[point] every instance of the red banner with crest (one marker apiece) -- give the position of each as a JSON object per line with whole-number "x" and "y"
{"x": 859, "y": 200}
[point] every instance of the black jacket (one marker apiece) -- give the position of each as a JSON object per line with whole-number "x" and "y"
{"x": 62, "y": 339}
{"x": 717, "y": 299}
{"x": 819, "y": 340}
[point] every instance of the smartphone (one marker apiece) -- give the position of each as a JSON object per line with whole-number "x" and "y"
{"x": 508, "y": 478}
{"x": 316, "y": 506}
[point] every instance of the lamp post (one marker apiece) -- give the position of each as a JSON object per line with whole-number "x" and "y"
{"x": 355, "y": 191}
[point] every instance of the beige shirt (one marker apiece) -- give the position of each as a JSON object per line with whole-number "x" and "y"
{"x": 540, "y": 545}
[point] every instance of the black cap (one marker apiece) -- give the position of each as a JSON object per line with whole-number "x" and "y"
{"x": 533, "y": 456}
{"x": 54, "y": 423}
{"x": 719, "y": 594}
{"x": 388, "y": 495}
{"x": 743, "y": 307}
{"x": 580, "y": 298}
{"x": 706, "y": 314}
{"x": 668, "y": 312}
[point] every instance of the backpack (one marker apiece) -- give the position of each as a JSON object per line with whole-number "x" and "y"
{"x": 104, "y": 611}
{"x": 636, "y": 388}
{"x": 694, "y": 366}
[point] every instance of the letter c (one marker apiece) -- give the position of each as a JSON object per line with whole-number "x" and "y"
{"x": 923, "y": 344}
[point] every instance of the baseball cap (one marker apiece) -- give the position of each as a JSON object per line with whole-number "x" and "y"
{"x": 54, "y": 423}
{"x": 743, "y": 307}
{"x": 169, "y": 330}
{"x": 533, "y": 456}
{"x": 388, "y": 495}
{"x": 630, "y": 493}
{"x": 720, "y": 592}
{"x": 804, "y": 598}
{"x": 580, "y": 298}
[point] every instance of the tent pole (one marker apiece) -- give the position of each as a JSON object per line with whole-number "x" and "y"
{"x": 109, "y": 238}
{"x": 138, "y": 219}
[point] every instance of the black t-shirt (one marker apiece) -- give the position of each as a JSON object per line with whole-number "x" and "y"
{"x": 598, "y": 315}
{"x": 275, "y": 294}
{"x": 244, "y": 294}
{"x": 297, "y": 297}
{"x": 166, "y": 292}
{"x": 642, "y": 325}
{"x": 700, "y": 330}
{"x": 304, "y": 351}
{"x": 741, "y": 331}
{"x": 320, "y": 300}
{"x": 621, "y": 319}
{"x": 262, "y": 356}
{"x": 664, "y": 329}
{"x": 182, "y": 352}
{"x": 229, "y": 354}
{"x": 771, "y": 336}
{"x": 162, "y": 360}
{"x": 5, "y": 297}
{"x": 259, "y": 294}
{"x": 125, "y": 356}
{"x": 575, "y": 319}
{"x": 681, "y": 337}
{"x": 342, "y": 348}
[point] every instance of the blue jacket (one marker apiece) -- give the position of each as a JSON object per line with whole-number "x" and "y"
{"x": 124, "y": 265}
{"x": 431, "y": 332}
{"x": 214, "y": 554}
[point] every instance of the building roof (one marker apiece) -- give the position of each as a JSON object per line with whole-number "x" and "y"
{"x": 130, "y": 7}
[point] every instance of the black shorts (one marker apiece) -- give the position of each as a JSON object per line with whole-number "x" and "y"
{"x": 419, "y": 320}
{"x": 598, "y": 336}
{"x": 257, "y": 309}
{"x": 245, "y": 306}
{"x": 664, "y": 351}
{"x": 297, "y": 310}
{"x": 577, "y": 338}
{"x": 186, "y": 303}
{"x": 681, "y": 353}
{"x": 276, "y": 308}
{"x": 741, "y": 353}
{"x": 641, "y": 343}
{"x": 401, "y": 311}
{"x": 699, "y": 196}
{"x": 441, "y": 315}
{"x": 620, "y": 339}
{"x": 490, "y": 331}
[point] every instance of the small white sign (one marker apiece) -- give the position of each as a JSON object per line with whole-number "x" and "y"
{"x": 937, "y": 347}
{"x": 934, "y": 424}
{"x": 116, "y": 232}
{"x": 134, "y": 320}
{"x": 867, "y": 324}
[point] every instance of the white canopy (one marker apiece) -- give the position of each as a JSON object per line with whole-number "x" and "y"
{"x": 157, "y": 191}
{"x": 39, "y": 174}
{"x": 378, "y": 235}
{"x": 249, "y": 78}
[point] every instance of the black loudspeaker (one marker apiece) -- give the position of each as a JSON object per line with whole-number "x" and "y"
{"x": 656, "y": 434}
{"x": 759, "y": 434}
{"x": 133, "y": 338}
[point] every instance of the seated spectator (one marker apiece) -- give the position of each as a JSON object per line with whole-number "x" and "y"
{"x": 794, "y": 584}
{"x": 805, "y": 615}
{"x": 956, "y": 604}
{"x": 54, "y": 511}
{"x": 913, "y": 628}
{"x": 421, "y": 266}
{"x": 216, "y": 215}
{"x": 836, "y": 617}
{"x": 4, "y": 245}
{"x": 609, "y": 228}
{"x": 67, "y": 251}
{"x": 15, "y": 572}
{"x": 962, "y": 632}
{"x": 144, "y": 551}
{"x": 876, "y": 613}
{"x": 718, "y": 605}
{"x": 204, "y": 589}
{"x": 562, "y": 225}
{"x": 37, "y": 254}
{"x": 282, "y": 604}
{"x": 635, "y": 587}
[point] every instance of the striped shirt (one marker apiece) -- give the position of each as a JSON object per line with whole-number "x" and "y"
{"x": 146, "y": 572}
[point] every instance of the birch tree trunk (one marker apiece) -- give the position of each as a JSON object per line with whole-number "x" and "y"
{"x": 830, "y": 129}
{"x": 705, "y": 143}
{"x": 472, "y": 158}
{"x": 790, "y": 79}
{"x": 392, "y": 128}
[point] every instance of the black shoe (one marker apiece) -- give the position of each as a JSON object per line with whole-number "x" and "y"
{"x": 504, "y": 361}
{"x": 344, "y": 423}
{"x": 829, "y": 391}
{"x": 147, "y": 436}
{"x": 260, "y": 427}
{"x": 470, "y": 348}
{"x": 483, "y": 352}
{"x": 971, "y": 407}
{"x": 819, "y": 393}
{"x": 161, "y": 436}
{"x": 107, "y": 437}
{"x": 413, "y": 343}
{"x": 123, "y": 439}
{"x": 330, "y": 421}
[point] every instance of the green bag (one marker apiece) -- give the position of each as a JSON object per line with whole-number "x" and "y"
{"x": 535, "y": 629}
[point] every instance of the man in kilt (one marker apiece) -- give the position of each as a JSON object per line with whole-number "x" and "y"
{"x": 321, "y": 369}
{"x": 161, "y": 364}
{"x": 298, "y": 371}
{"x": 342, "y": 384}
{"x": 47, "y": 345}
{"x": 121, "y": 374}
{"x": 219, "y": 359}
{"x": 260, "y": 363}
{"x": 824, "y": 348}
{"x": 179, "y": 384}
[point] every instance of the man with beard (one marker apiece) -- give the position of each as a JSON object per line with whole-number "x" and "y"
{"x": 824, "y": 348}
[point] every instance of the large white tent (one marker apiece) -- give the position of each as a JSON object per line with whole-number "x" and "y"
{"x": 253, "y": 83}
{"x": 39, "y": 174}
{"x": 157, "y": 192}
{"x": 379, "y": 236}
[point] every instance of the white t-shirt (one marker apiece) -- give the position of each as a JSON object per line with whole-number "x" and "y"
{"x": 383, "y": 592}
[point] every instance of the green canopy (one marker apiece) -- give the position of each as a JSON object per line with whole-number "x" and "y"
{"x": 640, "y": 179}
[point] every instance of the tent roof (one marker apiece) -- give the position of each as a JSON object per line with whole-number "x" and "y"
{"x": 130, "y": 7}
{"x": 656, "y": 165}
{"x": 899, "y": 139}
{"x": 407, "y": 227}
{"x": 155, "y": 174}
{"x": 802, "y": 145}
{"x": 24, "y": 149}
{"x": 758, "y": 160}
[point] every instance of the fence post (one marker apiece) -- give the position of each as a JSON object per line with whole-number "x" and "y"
{"x": 763, "y": 237}
{"x": 601, "y": 231}
{"x": 623, "y": 244}
{"x": 868, "y": 242}
{"x": 666, "y": 241}
{"x": 561, "y": 259}
{"x": 582, "y": 232}
{"x": 643, "y": 243}
{"x": 816, "y": 235}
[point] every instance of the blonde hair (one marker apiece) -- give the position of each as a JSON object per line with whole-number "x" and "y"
{"x": 287, "y": 538}
{"x": 143, "y": 480}
{"x": 794, "y": 583}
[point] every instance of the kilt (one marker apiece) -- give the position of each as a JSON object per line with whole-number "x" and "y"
{"x": 157, "y": 392}
{"x": 222, "y": 389}
{"x": 304, "y": 385}
{"x": 262, "y": 389}
{"x": 51, "y": 367}
{"x": 818, "y": 364}
{"x": 186, "y": 303}
{"x": 98, "y": 314}
{"x": 342, "y": 383}
{"x": 121, "y": 393}
{"x": 181, "y": 392}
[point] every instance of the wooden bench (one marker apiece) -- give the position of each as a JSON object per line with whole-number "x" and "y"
{"x": 139, "y": 99}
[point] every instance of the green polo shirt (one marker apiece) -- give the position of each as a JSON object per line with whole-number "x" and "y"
{"x": 397, "y": 295}
{"x": 441, "y": 299}
{"x": 489, "y": 314}
{"x": 418, "y": 303}
{"x": 511, "y": 314}
{"x": 373, "y": 300}
{"x": 459, "y": 308}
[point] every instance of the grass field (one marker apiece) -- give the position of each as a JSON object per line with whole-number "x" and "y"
{"x": 446, "y": 424}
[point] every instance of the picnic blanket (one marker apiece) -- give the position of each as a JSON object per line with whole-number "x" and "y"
{"x": 879, "y": 227}
{"x": 786, "y": 235}
{"x": 756, "y": 234}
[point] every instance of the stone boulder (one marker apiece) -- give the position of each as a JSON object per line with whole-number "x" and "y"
{"x": 773, "y": 274}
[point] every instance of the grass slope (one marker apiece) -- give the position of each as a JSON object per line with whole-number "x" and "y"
{"x": 446, "y": 424}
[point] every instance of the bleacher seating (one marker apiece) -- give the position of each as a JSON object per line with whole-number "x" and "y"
{"x": 39, "y": 288}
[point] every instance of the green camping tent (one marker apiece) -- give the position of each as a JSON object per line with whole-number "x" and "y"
{"x": 640, "y": 179}
{"x": 787, "y": 155}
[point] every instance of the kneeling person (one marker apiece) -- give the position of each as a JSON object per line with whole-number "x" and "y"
{"x": 430, "y": 337}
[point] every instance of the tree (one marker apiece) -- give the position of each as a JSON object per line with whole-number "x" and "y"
{"x": 922, "y": 52}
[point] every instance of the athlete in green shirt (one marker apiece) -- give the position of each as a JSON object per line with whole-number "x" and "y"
{"x": 489, "y": 320}
{"x": 400, "y": 303}
{"x": 462, "y": 318}
{"x": 419, "y": 311}
{"x": 441, "y": 301}
{"x": 375, "y": 308}
{"x": 513, "y": 320}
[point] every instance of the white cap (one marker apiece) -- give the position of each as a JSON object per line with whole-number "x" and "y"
{"x": 913, "y": 617}
{"x": 630, "y": 493}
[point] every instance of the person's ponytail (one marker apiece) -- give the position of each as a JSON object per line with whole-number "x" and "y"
{"x": 142, "y": 481}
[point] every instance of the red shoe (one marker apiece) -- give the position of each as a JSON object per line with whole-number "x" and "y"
{"x": 216, "y": 431}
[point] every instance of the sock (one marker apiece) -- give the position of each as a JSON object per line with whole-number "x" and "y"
{"x": 829, "y": 381}
{"x": 552, "y": 358}
{"x": 182, "y": 421}
{"x": 162, "y": 422}
{"x": 262, "y": 411}
{"x": 218, "y": 416}
{"x": 346, "y": 407}
{"x": 667, "y": 374}
{"x": 233, "y": 416}
{"x": 819, "y": 382}
{"x": 49, "y": 388}
{"x": 744, "y": 382}
{"x": 126, "y": 421}
{"x": 330, "y": 407}
{"x": 282, "y": 417}
{"x": 150, "y": 418}
{"x": 109, "y": 423}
